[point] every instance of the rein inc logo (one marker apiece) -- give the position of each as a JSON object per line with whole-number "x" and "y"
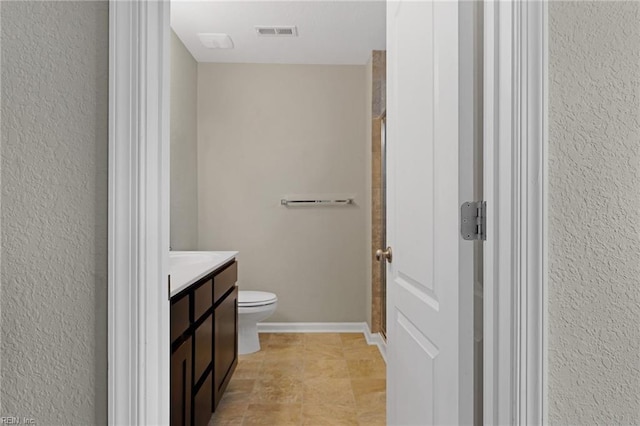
{"x": 10, "y": 420}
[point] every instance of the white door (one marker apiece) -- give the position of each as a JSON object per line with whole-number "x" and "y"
{"x": 430, "y": 292}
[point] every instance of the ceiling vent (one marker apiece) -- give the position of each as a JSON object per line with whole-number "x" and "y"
{"x": 280, "y": 31}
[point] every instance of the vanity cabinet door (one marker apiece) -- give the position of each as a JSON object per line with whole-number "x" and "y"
{"x": 181, "y": 385}
{"x": 202, "y": 350}
{"x": 202, "y": 403}
{"x": 225, "y": 343}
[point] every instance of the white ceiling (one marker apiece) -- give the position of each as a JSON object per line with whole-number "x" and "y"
{"x": 329, "y": 32}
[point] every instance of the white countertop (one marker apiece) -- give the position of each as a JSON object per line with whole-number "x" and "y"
{"x": 187, "y": 267}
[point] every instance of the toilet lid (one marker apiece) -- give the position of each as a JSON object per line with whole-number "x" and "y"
{"x": 255, "y": 298}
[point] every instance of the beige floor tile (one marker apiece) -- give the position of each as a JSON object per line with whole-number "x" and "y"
{"x": 367, "y": 368}
{"x": 248, "y": 369}
{"x": 264, "y": 338}
{"x": 373, "y": 418}
{"x": 323, "y": 351}
{"x": 256, "y": 356}
{"x": 273, "y": 414}
{"x": 277, "y": 369}
{"x": 362, "y": 352}
{"x": 370, "y": 394}
{"x": 329, "y": 415}
{"x": 323, "y": 338}
{"x": 286, "y": 339}
{"x": 312, "y": 379}
{"x": 328, "y": 391}
{"x": 283, "y": 351}
{"x": 325, "y": 369}
{"x": 229, "y": 413}
{"x": 214, "y": 422}
{"x": 239, "y": 390}
{"x": 282, "y": 391}
{"x": 353, "y": 339}
{"x": 348, "y": 337}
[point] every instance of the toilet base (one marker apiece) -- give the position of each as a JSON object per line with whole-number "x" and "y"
{"x": 248, "y": 341}
{"x": 248, "y": 319}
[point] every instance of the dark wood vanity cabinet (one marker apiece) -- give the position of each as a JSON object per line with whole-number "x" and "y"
{"x": 204, "y": 345}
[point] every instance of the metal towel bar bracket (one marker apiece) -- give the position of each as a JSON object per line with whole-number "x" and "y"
{"x": 286, "y": 202}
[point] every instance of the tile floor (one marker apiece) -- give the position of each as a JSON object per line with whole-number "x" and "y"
{"x": 307, "y": 379}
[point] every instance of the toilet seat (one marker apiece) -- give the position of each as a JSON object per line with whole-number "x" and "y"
{"x": 255, "y": 298}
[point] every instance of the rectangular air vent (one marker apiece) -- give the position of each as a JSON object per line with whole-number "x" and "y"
{"x": 280, "y": 31}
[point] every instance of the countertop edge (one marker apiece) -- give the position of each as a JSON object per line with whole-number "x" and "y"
{"x": 229, "y": 256}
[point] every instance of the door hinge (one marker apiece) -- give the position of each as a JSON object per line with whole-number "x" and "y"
{"x": 473, "y": 220}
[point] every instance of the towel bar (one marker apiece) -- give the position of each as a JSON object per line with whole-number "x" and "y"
{"x": 286, "y": 202}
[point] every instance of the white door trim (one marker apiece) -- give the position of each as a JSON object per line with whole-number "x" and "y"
{"x": 138, "y": 311}
{"x": 515, "y": 180}
{"x": 515, "y": 190}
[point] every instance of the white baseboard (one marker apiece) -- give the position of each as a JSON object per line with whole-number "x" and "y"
{"x": 376, "y": 339}
{"x": 311, "y": 327}
{"x": 327, "y": 327}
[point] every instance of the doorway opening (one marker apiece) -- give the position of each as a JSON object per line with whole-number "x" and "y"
{"x": 268, "y": 137}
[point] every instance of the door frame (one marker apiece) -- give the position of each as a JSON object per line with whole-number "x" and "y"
{"x": 515, "y": 187}
{"x": 138, "y": 247}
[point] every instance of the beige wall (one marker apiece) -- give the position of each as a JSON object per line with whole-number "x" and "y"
{"x": 594, "y": 213}
{"x": 265, "y": 131}
{"x": 54, "y": 211}
{"x": 184, "y": 186}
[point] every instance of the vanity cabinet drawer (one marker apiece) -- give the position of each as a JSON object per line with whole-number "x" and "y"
{"x": 179, "y": 317}
{"x": 224, "y": 281}
{"x": 202, "y": 299}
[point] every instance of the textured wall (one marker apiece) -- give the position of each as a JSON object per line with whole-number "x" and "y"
{"x": 594, "y": 213}
{"x": 54, "y": 211}
{"x": 265, "y": 131}
{"x": 184, "y": 146}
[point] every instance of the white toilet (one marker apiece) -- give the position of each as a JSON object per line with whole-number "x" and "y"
{"x": 253, "y": 307}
